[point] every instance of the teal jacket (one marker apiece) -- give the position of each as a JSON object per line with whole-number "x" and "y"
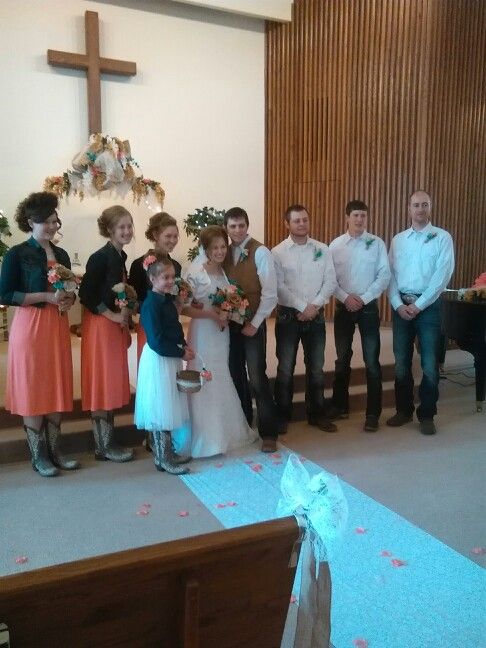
{"x": 24, "y": 270}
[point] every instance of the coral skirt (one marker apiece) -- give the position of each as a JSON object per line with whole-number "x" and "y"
{"x": 39, "y": 366}
{"x": 104, "y": 363}
{"x": 141, "y": 340}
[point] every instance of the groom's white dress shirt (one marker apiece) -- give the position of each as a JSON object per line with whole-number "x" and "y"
{"x": 305, "y": 273}
{"x": 422, "y": 262}
{"x": 361, "y": 265}
{"x": 266, "y": 274}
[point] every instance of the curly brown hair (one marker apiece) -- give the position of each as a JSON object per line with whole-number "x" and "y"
{"x": 158, "y": 223}
{"x": 109, "y": 219}
{"x": 37, "y": 207}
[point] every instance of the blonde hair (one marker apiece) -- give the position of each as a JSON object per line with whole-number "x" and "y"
{"x": 109, "y": 219}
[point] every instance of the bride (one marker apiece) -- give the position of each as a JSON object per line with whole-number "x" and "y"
{"x": 217, "y": 420}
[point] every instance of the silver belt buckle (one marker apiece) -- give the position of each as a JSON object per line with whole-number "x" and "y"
{"x": 409, "y": 299}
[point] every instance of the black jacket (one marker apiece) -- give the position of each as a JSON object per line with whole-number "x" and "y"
{"x": 160, "y": 321}
{"x": 24, "y": 270}
{"x": 139, "y": 280}
{"x": 105, "y": 268}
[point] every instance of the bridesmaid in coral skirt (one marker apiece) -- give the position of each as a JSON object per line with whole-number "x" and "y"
{"x": 39, "y": 369}
{"x": 105, "y": 334}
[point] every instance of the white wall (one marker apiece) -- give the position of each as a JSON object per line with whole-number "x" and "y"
{"x": 270, "y": 9}
{"x": 194, "y": 114}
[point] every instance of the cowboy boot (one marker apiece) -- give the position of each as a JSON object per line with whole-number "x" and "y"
{"x": 38, "y": 450}
{"x": 105, "y": 447}
{"x": 161, "y": 449}
{"x": 53, "y": 432}
{"x": 175, "y": 458}
{"x": 147, "y": 442}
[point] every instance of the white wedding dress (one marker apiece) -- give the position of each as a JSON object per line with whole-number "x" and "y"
{"x": 217, "y": 420}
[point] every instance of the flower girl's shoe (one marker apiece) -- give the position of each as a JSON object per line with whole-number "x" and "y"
{"x": 162, "y": 454}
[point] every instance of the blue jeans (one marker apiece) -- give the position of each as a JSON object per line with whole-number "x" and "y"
{"x": 249, "y": 354}
{"x": 289, "y": 332}
{"x": 368, "y": 321}
{"x": 426, "y": 326}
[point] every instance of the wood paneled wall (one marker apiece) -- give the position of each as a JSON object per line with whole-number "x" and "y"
{"x": 373, "y": 99}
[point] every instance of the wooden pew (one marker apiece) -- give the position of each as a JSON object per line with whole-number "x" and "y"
{"x": 220, "y": 590}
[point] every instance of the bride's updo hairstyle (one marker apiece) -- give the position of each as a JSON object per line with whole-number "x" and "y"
{"x": 37, "y": 207}
{"x": 109, "y": 219}
{"x": 158, "y": 223}
{"x": 155, "y": 263}
{"x": 211, "y": 233}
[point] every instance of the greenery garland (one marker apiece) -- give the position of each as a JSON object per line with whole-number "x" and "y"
{"x": 195, "y": 222}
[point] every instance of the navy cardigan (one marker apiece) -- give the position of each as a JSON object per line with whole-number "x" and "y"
{"x": 24, "y": 270}
{"x": 138, "y": 277}
{"x": 160, "y": 321}
{"x": 105, "y": 269}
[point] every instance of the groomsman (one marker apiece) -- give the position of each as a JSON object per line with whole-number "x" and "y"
{"x": 305, "y": 282}
{"x": 422, "y": 262}
{"x": 250, "y": 264}
{"x": 362, "y": 274}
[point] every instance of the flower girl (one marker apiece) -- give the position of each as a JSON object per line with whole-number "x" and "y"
{"x": 159, "y": 407}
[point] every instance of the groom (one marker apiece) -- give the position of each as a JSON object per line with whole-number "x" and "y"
{"x": 250, "y": 265}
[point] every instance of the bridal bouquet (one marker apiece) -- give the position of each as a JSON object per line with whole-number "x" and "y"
{"x": 232, "y": 300}
{"x": 183, "y": 291}
{"x": 126, "y": 295}
{"x": 62, "y": 278}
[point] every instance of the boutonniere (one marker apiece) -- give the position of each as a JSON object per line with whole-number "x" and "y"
{"x": 430, "y": 236}
{"x": 369, "y": 242}
{"x": 243, "y": 254}
{"x": 317, "y": 253}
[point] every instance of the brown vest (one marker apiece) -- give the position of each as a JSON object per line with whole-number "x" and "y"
{"x": 245, "y": 273}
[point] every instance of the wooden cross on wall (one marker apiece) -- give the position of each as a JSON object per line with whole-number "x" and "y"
{"x": 94, "y": 65}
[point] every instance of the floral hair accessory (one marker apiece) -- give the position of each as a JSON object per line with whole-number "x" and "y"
{"x": 369, "y": 242}
{"x": 317, "y": 253}
{"x": 430, "y": 236}
{"x": 149, "y": 259}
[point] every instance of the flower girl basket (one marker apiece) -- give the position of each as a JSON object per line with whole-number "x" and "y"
{"x": 190, "y": 381}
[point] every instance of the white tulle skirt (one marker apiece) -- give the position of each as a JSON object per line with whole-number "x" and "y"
{"x": 158, "y": 403}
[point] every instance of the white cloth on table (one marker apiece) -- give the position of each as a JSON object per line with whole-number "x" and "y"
{"x": 361, "y": 265}
{"x": 217, "y": 420}
{"x": 421, "y": 263}
{"x": 158, "y": 403}
{"x": 305, "y": 273}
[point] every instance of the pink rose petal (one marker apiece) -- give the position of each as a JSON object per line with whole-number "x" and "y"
{"x": 221, "y": 505}
{"x": 396, "y": 562}
{"x": 386, "y": 554}
{"x": 21, "y": 560}
{"x": 478, "y": 551}
{"x": 143, "y": 511}
{"x": 293, "y": 599}
{"x": 183, "y": 513}
{"x": 302, "y": 459}
{"x": 257, "y": 467}
{"x": 360, "y": 643}
{"x": 249, "y": 461}
{"x": 360, "y": 530}
{"x": 219, "y": 465}
{"x": 231, "y": 504}
{"x": 276, "y": 455}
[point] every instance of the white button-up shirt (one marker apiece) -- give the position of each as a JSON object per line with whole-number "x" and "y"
{"x": 305, "y": 273}
{"x": 361, "y": 265}
{"x": 266, "y": 274}
{"x": 422, "y": 263}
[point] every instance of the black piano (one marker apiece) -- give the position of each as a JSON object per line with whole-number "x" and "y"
{"x": 465, "y": 323}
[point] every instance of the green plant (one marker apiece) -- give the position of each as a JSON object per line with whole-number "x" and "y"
{"x": 4, "y": 231}
{"x": 201, "y": 218}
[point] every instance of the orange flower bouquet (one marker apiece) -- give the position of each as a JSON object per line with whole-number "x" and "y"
{"x": 232, "y": 300}
{"x": 62, "y": 278}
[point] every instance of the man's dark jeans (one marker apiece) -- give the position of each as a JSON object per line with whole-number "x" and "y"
{"x": 288, "y": 333}
{"x": 250, "y": 353}
{"x": 426, "y": 326}
{"x": 368, "y": 321}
